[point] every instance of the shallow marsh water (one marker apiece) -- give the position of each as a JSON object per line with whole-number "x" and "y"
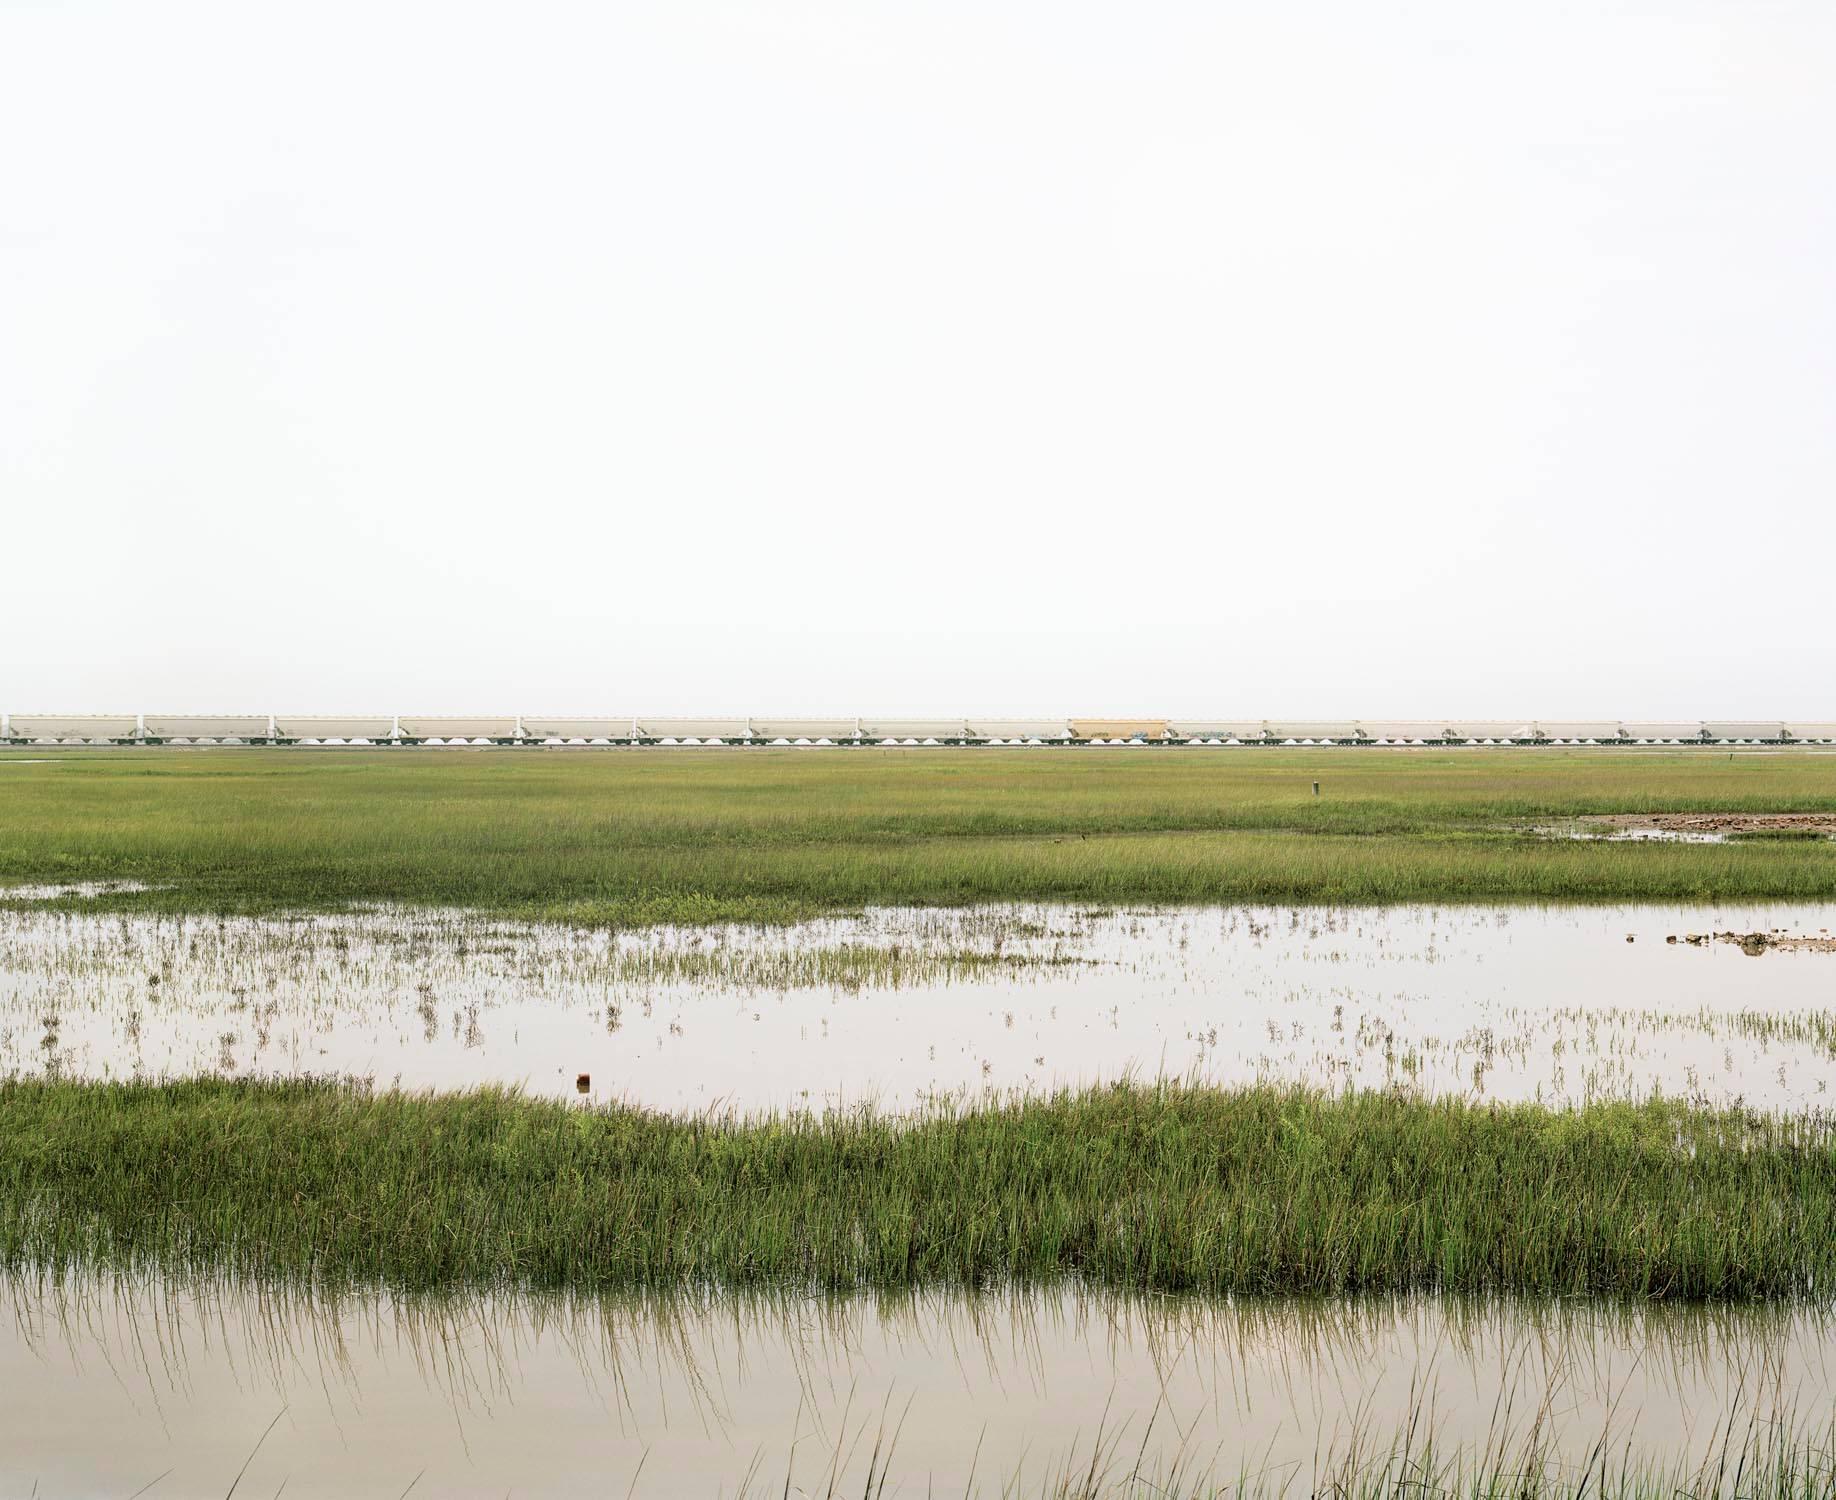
{"x": 111, "y": 1384}
{"x": 1552, "y": 1003}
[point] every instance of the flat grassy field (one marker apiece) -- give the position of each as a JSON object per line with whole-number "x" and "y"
{"x": 1259, "y": 1190}
{"x": 637, "y": 836}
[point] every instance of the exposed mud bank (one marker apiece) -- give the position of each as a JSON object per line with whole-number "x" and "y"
{"x": 1721, "y": 822}
{"x": 1756, "y": 943}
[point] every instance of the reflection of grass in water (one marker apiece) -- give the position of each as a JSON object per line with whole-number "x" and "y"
{"x": 1260, "y": 1190}
{"x": 635, "y": 838}
{"x": 1544, "y": 1364}
{"x": 470, "y": 1340}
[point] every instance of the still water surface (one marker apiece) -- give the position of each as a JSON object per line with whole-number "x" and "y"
{"x": 108, "y": 1385}
{"x": 1550, "y": 1003}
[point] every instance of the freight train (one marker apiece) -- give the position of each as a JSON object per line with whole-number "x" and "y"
{"x": 537, "y": 730}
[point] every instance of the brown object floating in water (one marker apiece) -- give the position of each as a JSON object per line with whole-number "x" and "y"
{"x": 583, "y": 1083}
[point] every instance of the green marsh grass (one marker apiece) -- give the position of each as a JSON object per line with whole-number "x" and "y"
{"x": 1263, "y": 1190}
{"x": 633, "y": 837}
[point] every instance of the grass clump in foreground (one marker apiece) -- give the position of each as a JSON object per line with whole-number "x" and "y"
{"x": 1260, "y": 1190}
{"x": 635, "y": 837}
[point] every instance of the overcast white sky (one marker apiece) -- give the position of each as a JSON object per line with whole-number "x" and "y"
{"x": 1284, "y": 358}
